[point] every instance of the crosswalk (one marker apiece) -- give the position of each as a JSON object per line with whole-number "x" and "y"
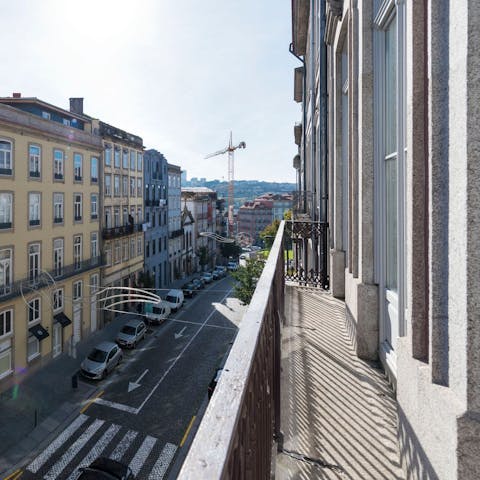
{"x": 86, "y": 439}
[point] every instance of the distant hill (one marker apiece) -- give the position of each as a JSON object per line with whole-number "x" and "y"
{"x": 245, "y": 190}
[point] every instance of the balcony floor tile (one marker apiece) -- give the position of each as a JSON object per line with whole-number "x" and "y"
{"x": 338, "y": 414}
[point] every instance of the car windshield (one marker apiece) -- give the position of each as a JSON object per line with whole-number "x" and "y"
{"x": 97, "y": 355}
{"x": 127, "y": 329}
{"x": 170, "y": 299}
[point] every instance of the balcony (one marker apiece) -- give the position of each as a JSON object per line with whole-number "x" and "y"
{"x": 294, "y": 401}
{"x": 176, "y": 233}
{"x": 122, "y": 231}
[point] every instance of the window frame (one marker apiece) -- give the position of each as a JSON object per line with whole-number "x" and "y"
{"x": 77, "y": 207}
{"x": 62, "y": 207}
{"x": 34, "y": 313}
{"x": 58, "y": 300}
{"x": 77, "y": 167}
{"x": 4, "y": 170}
{"x": 94, "y": 206}
{"x": 35, "y": 222}
{"x": 35, "y": 174}
{"x": 58, "y": 165}
{"x": 6, "y": 334}
{"x": 58, "y": 256}
{"x": 94, "y": 165}
{"x": 9, "y": 224}
{"x": 77, "y": 252}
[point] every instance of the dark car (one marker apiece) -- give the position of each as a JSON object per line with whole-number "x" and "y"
{"x": 199, "y": 283}
{"x": 215, "y": 275}
{"x": 189, "y": 289}
{"x": 213, "y": 383}
{"x": 105, "y": 468}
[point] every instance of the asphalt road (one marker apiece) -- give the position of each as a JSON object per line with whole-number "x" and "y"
{"x": 167, "y": 375}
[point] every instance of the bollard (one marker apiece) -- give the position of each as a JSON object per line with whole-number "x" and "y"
{"x": 75, "y": 381}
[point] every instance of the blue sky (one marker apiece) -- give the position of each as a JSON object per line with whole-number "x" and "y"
{"x": 181, "y": 74}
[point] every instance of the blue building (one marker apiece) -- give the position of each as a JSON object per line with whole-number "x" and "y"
{"x": 156, "y": 217}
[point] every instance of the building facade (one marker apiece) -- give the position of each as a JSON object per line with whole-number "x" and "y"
{"x": 175, "y": 231}
{"x": 254, "y": 217}
{"x": 49, "y": 234}
{"x": 403, "y": 207}
{"x": 281, "y": 203}
{"x": 156, "y": 218}
{"x": 188, "y": 246}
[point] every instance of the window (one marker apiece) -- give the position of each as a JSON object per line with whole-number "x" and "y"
{"x": 153, "y": 247}
{"x": 117, "y": 252}
{"x": 94, "y": 169}
{"x": 132, "y": 247}
{"x": 125, "y": 185}
{"x": 108, "y": 217}
{"x": 125, "y": 159}
{"x": 139, "y": 162}
{"x": 77, "y": 290}
{"x": 58, "y": 164}
{"x": 34, "y": 311}
{"x": 116, "y": 185}
{"x": 33, "y": 262}
{"x": 6, "y": 324}
{"x": 108, "y": 255}
{"x": 125, "y": 250}
{"x": 108, "y": 185}
{"x": 108, "y": 155}
{"x": 77, "y": 252}
{"x": 93, "y": 245}
{"x": 58, "y": 299}
{"x": 34, "y": 209}
{"x": 139, "y": 246}
{"x": 125, "y": 215}
{"x": 46, "y": 115}
{"x": 66, "y": 122}
{"x": 33, "y": 347}
{"x": 132, "y": 159}
{"x": 116, "y": 217}
{"x": 6, "y": 256}
{"x": 78, "y": 166}
{"x": 94, "y": 206}
{"x": 139, "y": 187}
{"x": 77, "y": 207}
{"x": 5, "y": 157}
{"x": 58, "y": 257}
{"x": 94, "y": 283}
{"x": 116, "y": 157}
{"x": 147, "y": 249}
{"x": 132, "y": 186}
{"x": 139, "y": 215}
{"x": 5, "y": 210}
{"x": 34, "y": 161}
{"x": 58, "y": 208}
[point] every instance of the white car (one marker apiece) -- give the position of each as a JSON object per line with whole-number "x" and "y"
{"x": 232, "y": 266}
{"x": 208, "y": 277}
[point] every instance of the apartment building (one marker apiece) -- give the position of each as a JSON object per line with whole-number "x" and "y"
{"x": 156, "y": 217}
{"x": 189, "y": 243}
{"x": 49, "y": 233}
{"x": 402, "y": 172}
{"x": 254, "y": 217}
{"x": 175, "y": 231}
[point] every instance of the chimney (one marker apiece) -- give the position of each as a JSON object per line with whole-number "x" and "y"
{"x": 16, "y": 95}
{"x": 76, "y": 105}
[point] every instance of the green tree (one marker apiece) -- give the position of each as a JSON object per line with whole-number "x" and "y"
{"x": 202, "y": 253}
{"x": 268, "y": 234}
{"x": 230, "y": 249}
{"x": 287, "y": 215}
{"x": 247, "y": 278}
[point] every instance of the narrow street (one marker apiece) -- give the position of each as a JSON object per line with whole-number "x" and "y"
{"x": 143, "y": 412}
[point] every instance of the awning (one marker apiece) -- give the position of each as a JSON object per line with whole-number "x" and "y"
{"x": 62, "y": 319}
{"x": 39, "y": 332}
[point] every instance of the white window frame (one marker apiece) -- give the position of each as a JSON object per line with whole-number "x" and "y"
{"x": 34, "y": 261}
{"x": 94, "y": 250}
{"x": 107, "y": 184}
{"x": 3, "y": 322}
{"x": 77, "y": 167}
{"x": 32, "y": 340}
{"x": 34, "y": 208}
{"x": 58, "y": 256}
{"x": 77, "y": 290}
{"x": 34, "y": 309}
{"x": 132, "y": 247}
{"x": 77, "y": 207}
{"x": 58, "y": 207}
{"x": 6, "y": 271}
{"x": 77, "y": 252}
{"x": 6, "y": 156}
{"x": 3, "y": 354}
{"x": 58, "y": 297}
{"x": 107, "y": 156}
{"x": 58, "y": 164}
{"x": 6, "y": 208}
{"x": 116, "y": 185}
{"x": 94, "y": 206}
{"x": 94, "y": 169}
{"x": 34, "y": 161}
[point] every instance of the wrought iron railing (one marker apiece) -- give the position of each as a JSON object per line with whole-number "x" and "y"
{"x": 121, "y": 231}
{"x": 176, "y": 233}
{"x": 242, "y": 421}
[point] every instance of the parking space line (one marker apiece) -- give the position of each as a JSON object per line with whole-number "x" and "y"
{"x": 98, "y": 395}
{"x": 187, "y": 431}
{"x": 13, "y": 475}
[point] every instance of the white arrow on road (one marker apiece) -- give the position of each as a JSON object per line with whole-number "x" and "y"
{"x": 134, "y": 385}
{"x": 180, "y": 333}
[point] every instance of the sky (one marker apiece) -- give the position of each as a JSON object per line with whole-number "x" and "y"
{"x": 180, "y": 74}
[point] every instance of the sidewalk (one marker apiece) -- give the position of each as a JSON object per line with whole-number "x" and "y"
{"x": 34, "y": 409}
{"x": 338, "y": 413}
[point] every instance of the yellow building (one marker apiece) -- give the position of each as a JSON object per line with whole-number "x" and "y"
{"x": 49, "y": 233}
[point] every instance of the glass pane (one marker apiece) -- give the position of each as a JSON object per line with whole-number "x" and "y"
{"x": 391, "y": 223}
{"x": 391, "y": 87}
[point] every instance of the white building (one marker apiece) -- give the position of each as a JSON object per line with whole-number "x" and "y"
{"x": 175, "y": 231}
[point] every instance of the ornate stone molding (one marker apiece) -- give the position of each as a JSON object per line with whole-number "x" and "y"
{"x": 334, "y": 12}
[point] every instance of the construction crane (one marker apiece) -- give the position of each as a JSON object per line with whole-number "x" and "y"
{"x": 230, "y": 149}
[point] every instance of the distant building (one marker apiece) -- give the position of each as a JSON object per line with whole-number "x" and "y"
{"x": 175, "y": 231}
{"x": 188, "y": 246}
{"x": 156, "y": 217}
{"x": 281, "y": 203}
{"x": 254, "y": 216}
{"x": 184, "y": 177}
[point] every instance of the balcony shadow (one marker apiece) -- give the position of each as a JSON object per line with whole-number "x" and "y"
{"x": 338, "y": 413}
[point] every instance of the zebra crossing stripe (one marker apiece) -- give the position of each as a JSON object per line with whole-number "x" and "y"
{"x": 143, "y": 452}
{"x": 122, "y": 447}
{"x": 160, "y": 467}
{"x": 58, "y": 468}
{"x": 37, "y": 464}
{"x": 96, "y": 450}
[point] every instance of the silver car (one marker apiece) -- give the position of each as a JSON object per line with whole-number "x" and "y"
{"x": 131, "y": 333}
{"x": 101, "y": 361}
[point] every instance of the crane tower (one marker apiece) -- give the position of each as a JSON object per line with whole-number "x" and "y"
{"x": 230, "y": 149}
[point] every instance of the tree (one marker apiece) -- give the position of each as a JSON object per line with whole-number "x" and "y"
{"x": 287, "y": 215}
{"x": 203, "y": 257}
{"x": 268, "y": 234}
{"x": 230, "y": 250}
{"x": 247, "y": 278}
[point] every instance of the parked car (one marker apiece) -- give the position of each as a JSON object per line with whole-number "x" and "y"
{"x": 198, "y": 284}
{"x": 207, "y": 276}
{"x": 101, "y": 360}
{"x": 104, "y": 468}
{"x": 222, "y": 271}
{"x": 215, "y": 275}
{"x": 189, "y": 289}
{"x": 232, "y": 266}
{"x": 214, "y": 381}
{"x": 131, "y": 333}
{"x": 174, "y": 299}
{"x": 157, "y": 313}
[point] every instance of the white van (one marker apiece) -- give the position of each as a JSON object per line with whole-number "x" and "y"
{"x": 174, "y": 299}
{"x": 157, "y": 313}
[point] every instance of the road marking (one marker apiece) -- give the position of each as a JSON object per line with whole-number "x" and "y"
{"x": 12, "y": 475}
{"x": 96, "y": 450}
{"x": 58, "y": 468}
{"x": 118, "y": 406}
{"x": 134, "y": 385}
{"x": 142, "y": 453}
{"x": 187, "y": 431}
{"x": 199, "y": 323}
{"x": 161, "y": 465}
{"x": 180, "y": 333}
{"x": 99, "y": 394}
{"x": 123, "y": 445}
{"x": 35, "y": 466}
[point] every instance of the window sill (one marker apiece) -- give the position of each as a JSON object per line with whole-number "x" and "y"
{"x": 34, "y": 174}
{"x": 34, "y": 223}
{"x": 56, "y": 221}
{"x": 6, "y": 374}
{"x": 78, "y": 219}
{"x": 58, "y": 176}
{"x": 33, "y": 357}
